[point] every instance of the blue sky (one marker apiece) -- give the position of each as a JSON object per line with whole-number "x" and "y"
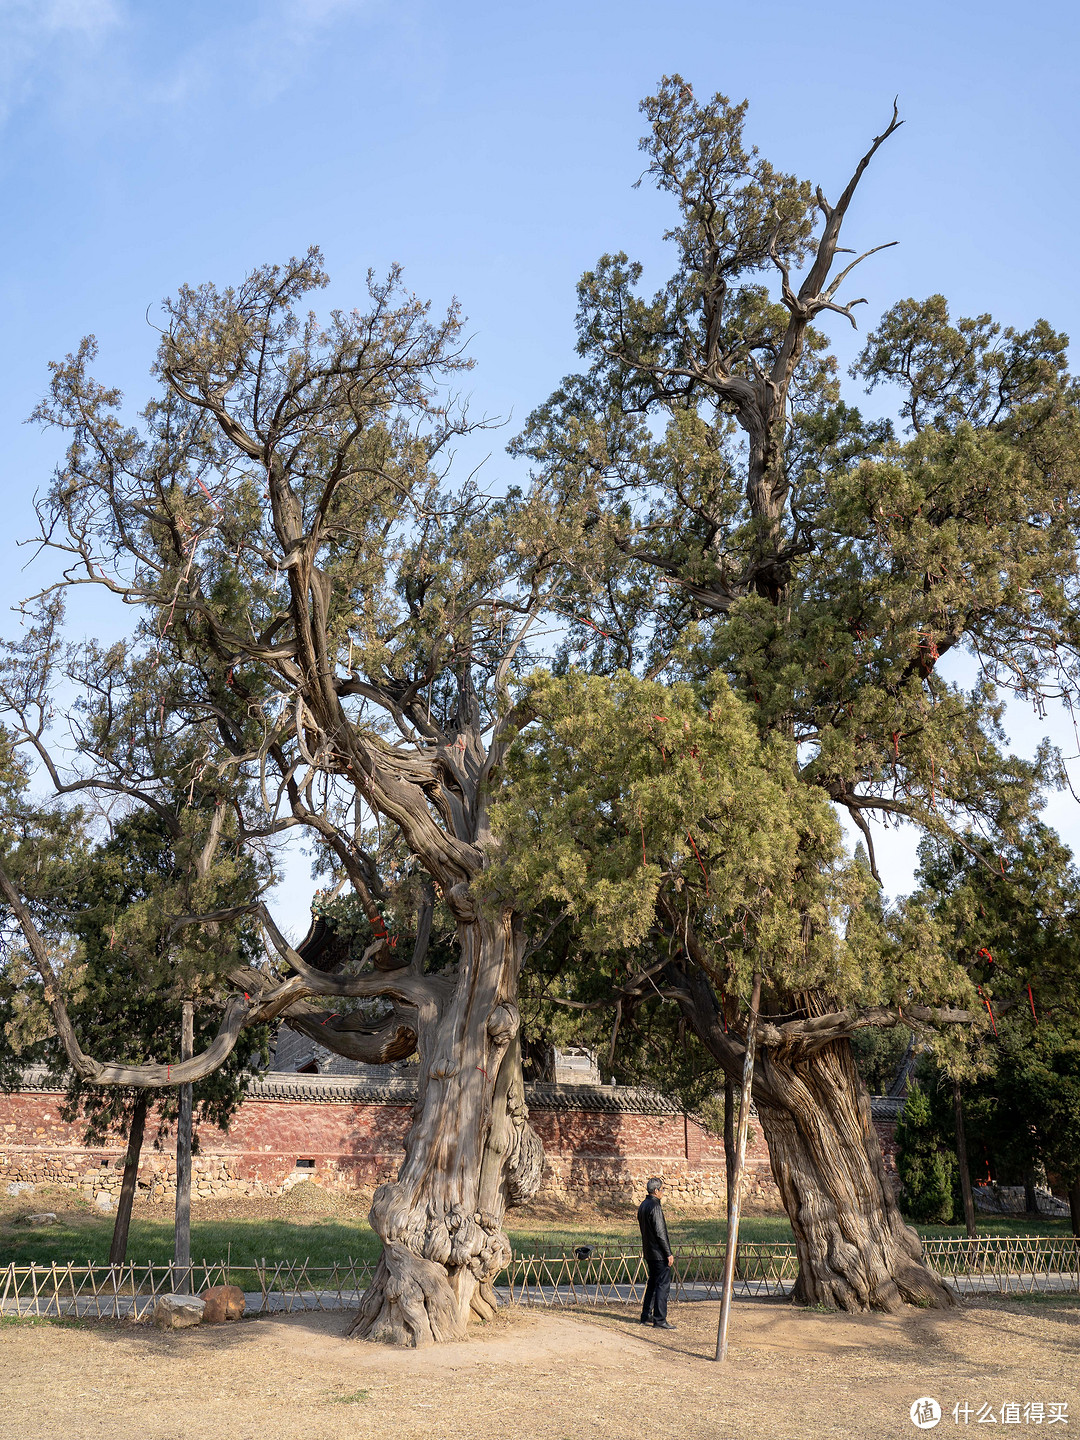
{"x": 492, "y": 149}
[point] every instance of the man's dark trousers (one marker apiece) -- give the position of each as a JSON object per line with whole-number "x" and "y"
{"x": 654, "y": 1306}
{"x": 656, "y": 1247}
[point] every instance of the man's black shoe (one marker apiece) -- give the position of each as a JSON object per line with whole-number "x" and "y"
{"x": 663, "y": 1325}
{"x": 647, "y": 1322}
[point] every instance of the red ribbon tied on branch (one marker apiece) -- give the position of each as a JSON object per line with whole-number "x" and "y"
{"x": 990, "y": 1012}
{"x": 703, "y": 870}
{"x": 206, "y": 492}
{"x": 584, "y": 620}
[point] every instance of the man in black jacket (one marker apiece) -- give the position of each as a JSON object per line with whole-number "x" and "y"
{"x": 657, "y": 1250}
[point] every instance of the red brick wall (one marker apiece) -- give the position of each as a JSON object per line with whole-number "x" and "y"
{"x": 604, "y": 1154}
{"x": 608, "y": 1155}
{"x": 351, "y": 1144}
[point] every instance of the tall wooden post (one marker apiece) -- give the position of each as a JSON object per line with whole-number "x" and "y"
{"x": 735, "y": 1190}
{"x": 961, "y": 1156}
{"x": 729, "y": 1140}
{"x": 182, "y": 1245}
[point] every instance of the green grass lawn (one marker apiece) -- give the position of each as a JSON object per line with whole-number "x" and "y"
{"x": 324, "y": 1241}
{"x": 327, "y": 1239}
{"x": 1003, "y": 1225}
{"x": 612, "y": 1230}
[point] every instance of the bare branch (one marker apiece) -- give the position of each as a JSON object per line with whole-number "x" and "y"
{"x": 238, "y": 1013}
{"x": 370, "y": 1042}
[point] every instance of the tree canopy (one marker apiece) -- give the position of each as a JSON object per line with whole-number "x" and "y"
{"x": 764, "y": 594}
{"x": 725, "y": 508}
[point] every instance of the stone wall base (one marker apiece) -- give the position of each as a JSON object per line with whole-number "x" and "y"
{"x": 600, "y": 1144}
{"x": 217, "y": 1178}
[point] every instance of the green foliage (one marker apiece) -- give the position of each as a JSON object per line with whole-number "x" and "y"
{"x": 1014, "y": 930}
{"x": 925, "y": 1170}
{"x": 638, "y": 821}
{"x": 108, "y": 909}
{"x": 626, "y": 791}
{"x": 879, "y": 1055}
{"x": 130, "y": 1005}
{"x": 820, "y": 563}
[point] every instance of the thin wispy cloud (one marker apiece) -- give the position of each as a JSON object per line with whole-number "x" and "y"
{"x": 70, "y": 54}
{"x": 322, "y": 12}
{"x": 42, "y": 36}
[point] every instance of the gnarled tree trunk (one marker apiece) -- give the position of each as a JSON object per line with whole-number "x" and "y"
{"x": 469, "y": 1154}
{"x": 855, "y": 1250}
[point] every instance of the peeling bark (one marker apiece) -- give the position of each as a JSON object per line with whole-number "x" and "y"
{"x": 855, "y": 1251}
{"x": 469, "y": 1155}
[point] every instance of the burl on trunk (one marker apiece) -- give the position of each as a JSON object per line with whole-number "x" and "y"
{"x": 855, "y": 1250}
{"x": 469, "y": 1154}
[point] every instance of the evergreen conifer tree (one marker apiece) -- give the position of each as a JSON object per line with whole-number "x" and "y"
{"x": 925, "y": 1169}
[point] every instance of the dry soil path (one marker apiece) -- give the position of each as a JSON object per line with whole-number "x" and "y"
{"x": 534, "y": 1374}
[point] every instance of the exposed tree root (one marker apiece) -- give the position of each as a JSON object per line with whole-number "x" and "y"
{"x": 855, "y": 1251}
{"x": 410, "y": 1302}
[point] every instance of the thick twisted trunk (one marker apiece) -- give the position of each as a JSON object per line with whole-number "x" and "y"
{"x": 855, "y": 1251}
{"x": 469, "y": 1154}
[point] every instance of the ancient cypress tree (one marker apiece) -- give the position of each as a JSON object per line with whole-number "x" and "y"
{"x": 728, "y": 510}
{"x": 338, "y": 626}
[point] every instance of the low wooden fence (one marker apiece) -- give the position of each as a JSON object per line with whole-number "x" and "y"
{"x": 588, "y": 1275}
{"x": 130, "y": 1291}
{"x": 991, "y": 1264}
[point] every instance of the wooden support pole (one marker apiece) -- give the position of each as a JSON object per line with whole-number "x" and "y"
{"x": 182, "y": 1245}
{"x": 729, "y": 1140}
{"x": 740, "y": 1165}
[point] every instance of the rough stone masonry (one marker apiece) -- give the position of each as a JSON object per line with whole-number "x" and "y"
{"x": 600, "y": 1142}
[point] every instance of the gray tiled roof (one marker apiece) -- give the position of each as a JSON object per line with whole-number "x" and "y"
{"x": 334, "y": 1089}
{"x": 361, "y": 1090}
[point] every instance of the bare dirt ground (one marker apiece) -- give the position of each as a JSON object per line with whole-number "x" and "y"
{"x": 554, "y": 1376}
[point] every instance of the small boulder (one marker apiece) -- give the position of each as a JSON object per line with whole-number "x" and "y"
{"x": 221, "y": 1303}
{"x": 47, "y": 1217}
{"x": 177, "y": 1312}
